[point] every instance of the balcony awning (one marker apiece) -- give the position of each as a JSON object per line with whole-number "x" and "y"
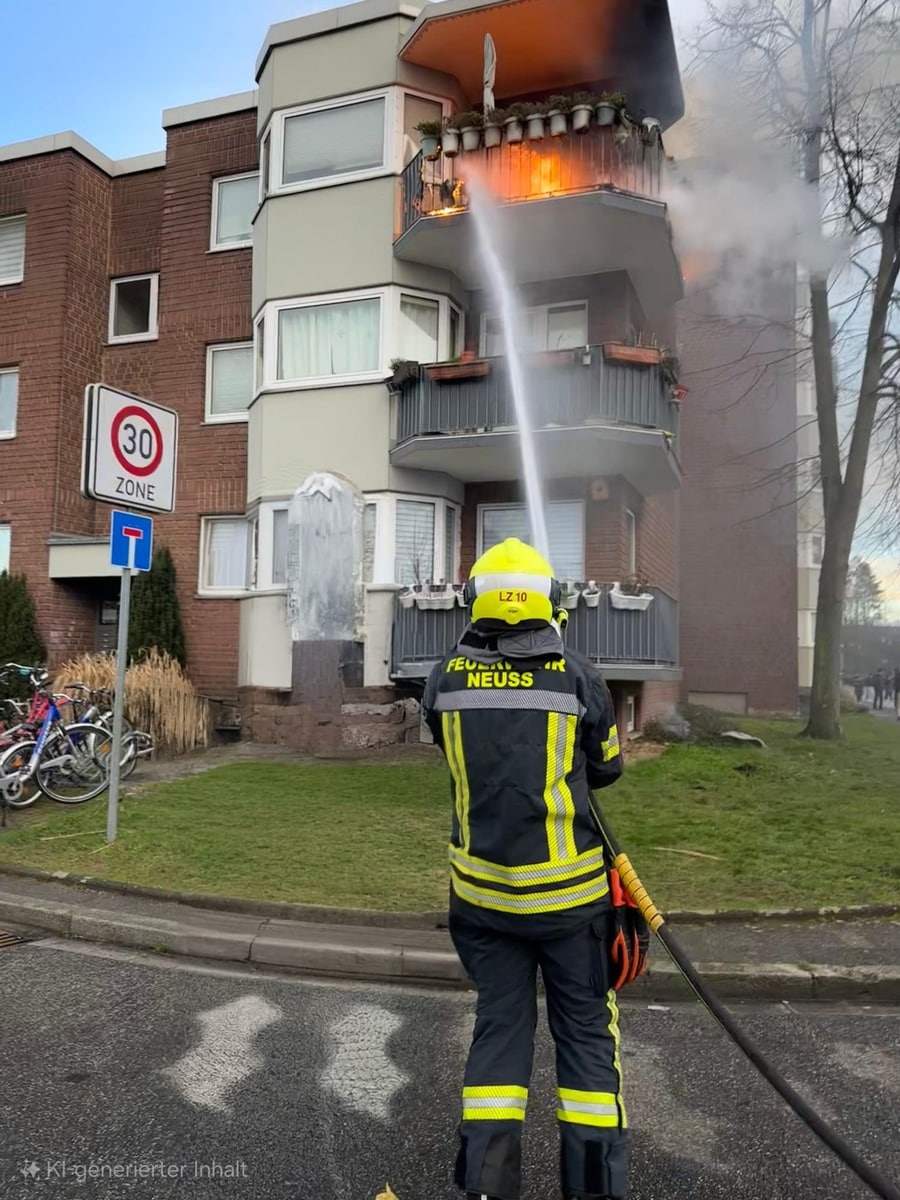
{"x": 554, "y": 44}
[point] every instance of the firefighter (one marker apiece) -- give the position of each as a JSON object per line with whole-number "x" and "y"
{"x": 527, "y": 729}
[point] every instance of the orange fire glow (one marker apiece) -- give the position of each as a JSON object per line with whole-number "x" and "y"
{"x": 526, "y": 171}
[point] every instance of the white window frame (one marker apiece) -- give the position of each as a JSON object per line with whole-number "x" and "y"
{"x": 6, "y": 435}
{"x": 265, "y": 162}
{"x": 385, "y": 558}
{"x": 5, "y": 526}
{"x": 483, "y": 508}
{"x": 153, "y": 332}
{"x": 223, "y": 593}
{"x": 217, "y": 247}
{"x": 21, "y": 219}
{"x": 388, "y": 154}
{"x": 544, "y": 309}
{"x": 445, "y": 351}
{"x": 230, "y": 418}
{"x": 630, "y": 713}
{"x": 631, "y": 524}
{"x": 265, "y": 546}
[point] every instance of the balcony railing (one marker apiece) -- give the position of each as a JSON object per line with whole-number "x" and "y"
{"x": 605, "y": 635}
{"x": 563, "y": 166}
{"x": 566, "y": 390}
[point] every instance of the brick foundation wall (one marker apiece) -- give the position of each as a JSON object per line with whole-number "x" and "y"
{"x": 655, "y": 699}
{"x": 367, "y": 719}
{"x": 739, "y": 521}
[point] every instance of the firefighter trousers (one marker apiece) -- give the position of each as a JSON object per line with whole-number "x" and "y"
{"x": 584, "y": 1022}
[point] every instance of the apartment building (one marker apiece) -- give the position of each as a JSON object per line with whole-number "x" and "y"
{"x": 303, "y": 284}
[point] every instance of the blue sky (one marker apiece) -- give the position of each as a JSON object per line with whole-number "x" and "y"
{"x": 107, "y": 68}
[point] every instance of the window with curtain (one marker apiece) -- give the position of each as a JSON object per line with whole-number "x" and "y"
{"x": 9, "y": 402}
{"x": 414, "y": 544}
{"x": 322, "y": 340}
{"x": 5, "y": 538}
{"x": 565, "y": 532}
{"x": 279, "y": 547}
{"x": 224, "y": 560}
{"x": 234, "y": 207}
{"x": 419, "y": 323}
{"x": 12, "y": 250}
{"x": 451, "y": 538}
{"x": 552, "y": 327}
{"x": 229, "y": 386}
{"x": 631, "y": 541}
{"x": 345, "y": 140}
{"x": 370, "y": 523}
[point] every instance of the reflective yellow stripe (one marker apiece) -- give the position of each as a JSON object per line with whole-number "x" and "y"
{"x": 617, "y": 1061}
{"x": 450, "y": 724}
{"x": 600, "y": 1109}
{"x": 494, "y": 1103}
{"x": 557, "y": 795}
{"x": 537, "y": 902}
{"x": 528, "y": 875}
{"x": 611, "y": 745}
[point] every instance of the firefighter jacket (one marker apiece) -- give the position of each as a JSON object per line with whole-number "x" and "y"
{"x": 527, "y": 729}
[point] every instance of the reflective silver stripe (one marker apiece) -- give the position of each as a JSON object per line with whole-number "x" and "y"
{"x": 502, "y": 697}
{"x": 599, "y": 1110}
{"x": 526, "y": 875}
{"x": 551, "y": 901}
{"x": 495, "y": 1102}
{"x": 557, "y": 769}
{"x": 530, "y": 583}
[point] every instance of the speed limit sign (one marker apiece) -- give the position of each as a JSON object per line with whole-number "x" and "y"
{"x": 130, "y": 448}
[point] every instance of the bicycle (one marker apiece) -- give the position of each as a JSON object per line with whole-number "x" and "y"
{"x": 61, "y": 757}
{"x": 98, "y": 710}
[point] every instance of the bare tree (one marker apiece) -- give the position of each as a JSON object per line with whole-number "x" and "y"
{"x": 824, "y": 78}
{"x": 864, "y": 603}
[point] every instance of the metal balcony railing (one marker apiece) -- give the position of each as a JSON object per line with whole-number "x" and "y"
{"x": 605, "y": 635}
{"x": 568, "y": 389}
{"x": 561, "y": 166}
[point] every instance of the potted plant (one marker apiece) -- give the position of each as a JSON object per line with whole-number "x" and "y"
{"x": 430, "y": 138}
{"x": 535, "y": 119}
{"x": 458, "y": 592}
{"x": 516, "y": 116}
{"x": 609, "y": 104}
{"x": 670, "y": 366}
{"x": 558, "y": 109}
{"x": 449, "y": 137}
{"x": 407, "y": 598}
{"x": 493, "y": 127}
{"x": 570, "y": 591}
{"x": 402, "y": 370}
{"x": 631, "y": 593}
{"x": 583, "y": 104}
{"x": 592, "y": 593}
{"x": 469, "y": 125}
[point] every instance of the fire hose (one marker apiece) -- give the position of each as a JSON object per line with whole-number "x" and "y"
{"x": 657, "y": 923}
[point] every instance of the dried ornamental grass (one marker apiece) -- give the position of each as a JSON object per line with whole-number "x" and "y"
{"x": 159, "y": 697}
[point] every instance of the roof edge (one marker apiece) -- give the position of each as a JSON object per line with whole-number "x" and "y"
{"x": 204, "y": 110}
{"x": 333, "y": 19}
{"x": 54, "y": 143}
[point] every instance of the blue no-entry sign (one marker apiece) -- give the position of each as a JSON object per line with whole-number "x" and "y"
{"x": 130, "y": 541}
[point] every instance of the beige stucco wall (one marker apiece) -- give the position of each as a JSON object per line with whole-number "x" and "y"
{"x": 805, "y": 667}
{"x": 379, "y": 618}
{"x": 264, "y": 644}
{"x": 807, "y": 588}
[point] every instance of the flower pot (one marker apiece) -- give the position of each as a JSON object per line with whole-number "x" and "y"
{"x": 536, "y": 128}
{"x": 471, "y": 138}
{"x": 570, "y": 600}
{"x": 430, "y": 146}
{"x": 514, "y": 130}
{"x": 559, "y": 124}
{"x": 636, "y": 603}
{"x": 460, "y": 600}
{"x": 606, "y": 113}
{"x": 460, "y": 370}
{"x": 436, "y": 602}
{"x": 581, "y": 117}
{"x": 493, "y": 136}
{"x": 592, "y": 599}
{"x": 450, "y": 142}
{"x": 407, "y": 599}
{"x": 635, "y": 354}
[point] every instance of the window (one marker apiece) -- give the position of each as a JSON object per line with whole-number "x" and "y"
{"x": 234, "y": 204}
{"x": 414, "y": 542}
{"x": 370, "y": 527}
{"x": 630, "y": 714}
{"x": 565, "y": 532}
{"x": 5, "y": 535}
{"x": 419, "y": 327}
{"x": 9, "y": 401}
{"x": 630, "y": 541}
{"x": 318, "y": 341}
{"x": 817, "y": 546}
{"x": 223, "y": 558}
{"x": 265, "y": 159}
{"x": 279, "y": 547}
{"x": 410, "y": 539}
{"x": 456, "y": 332}
{"x": 552, "y": 327}
{"x": 229, "y": 381}
{"x": 451, "y": 544}
{"x": 133, "y": 308}
{"x": 333, "y": 144}
{"x": 258, "y": 375}
{"x": 415, "y": 110}
{"x": 12, "y": 250}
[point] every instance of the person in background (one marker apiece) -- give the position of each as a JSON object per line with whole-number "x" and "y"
{"x": 897, "y": 691}
{"x": 878, "y": 687}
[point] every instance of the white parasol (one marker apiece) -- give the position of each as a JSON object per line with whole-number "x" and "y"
{"x": 490, "y": 71}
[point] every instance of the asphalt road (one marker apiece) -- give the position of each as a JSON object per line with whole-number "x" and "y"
{"x": 131, "y": 1076}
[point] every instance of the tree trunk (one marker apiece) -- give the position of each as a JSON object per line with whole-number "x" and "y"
{"x": 825, "y": 698}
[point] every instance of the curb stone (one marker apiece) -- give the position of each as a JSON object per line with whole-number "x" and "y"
{"x": 368, "y": 918}
{"x": 325, "y": 951}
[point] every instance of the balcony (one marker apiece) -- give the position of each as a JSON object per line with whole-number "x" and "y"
{"x": 624, "y": 644}
{"x": 592, "y": 416}
{"x": 575, "y": 205}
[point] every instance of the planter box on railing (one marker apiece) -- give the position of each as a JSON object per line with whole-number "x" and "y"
{"x": 443, "y": 372}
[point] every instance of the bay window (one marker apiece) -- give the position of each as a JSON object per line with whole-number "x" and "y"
{"x": 327, "y": 340}
{"x": 565, "y": 532}
{"x": 338, "y": 142}
{"x": 411, "y": 539}
{"x": 419, "y": 328}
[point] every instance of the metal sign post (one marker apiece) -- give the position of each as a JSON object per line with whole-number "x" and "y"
{"x": 131, "y": 548}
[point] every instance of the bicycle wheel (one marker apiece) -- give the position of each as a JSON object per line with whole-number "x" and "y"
{"x": 74, "y": 766}
{"x": 15, "y": 758}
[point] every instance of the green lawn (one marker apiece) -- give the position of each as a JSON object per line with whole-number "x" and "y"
{"x": 797, "y": 824}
